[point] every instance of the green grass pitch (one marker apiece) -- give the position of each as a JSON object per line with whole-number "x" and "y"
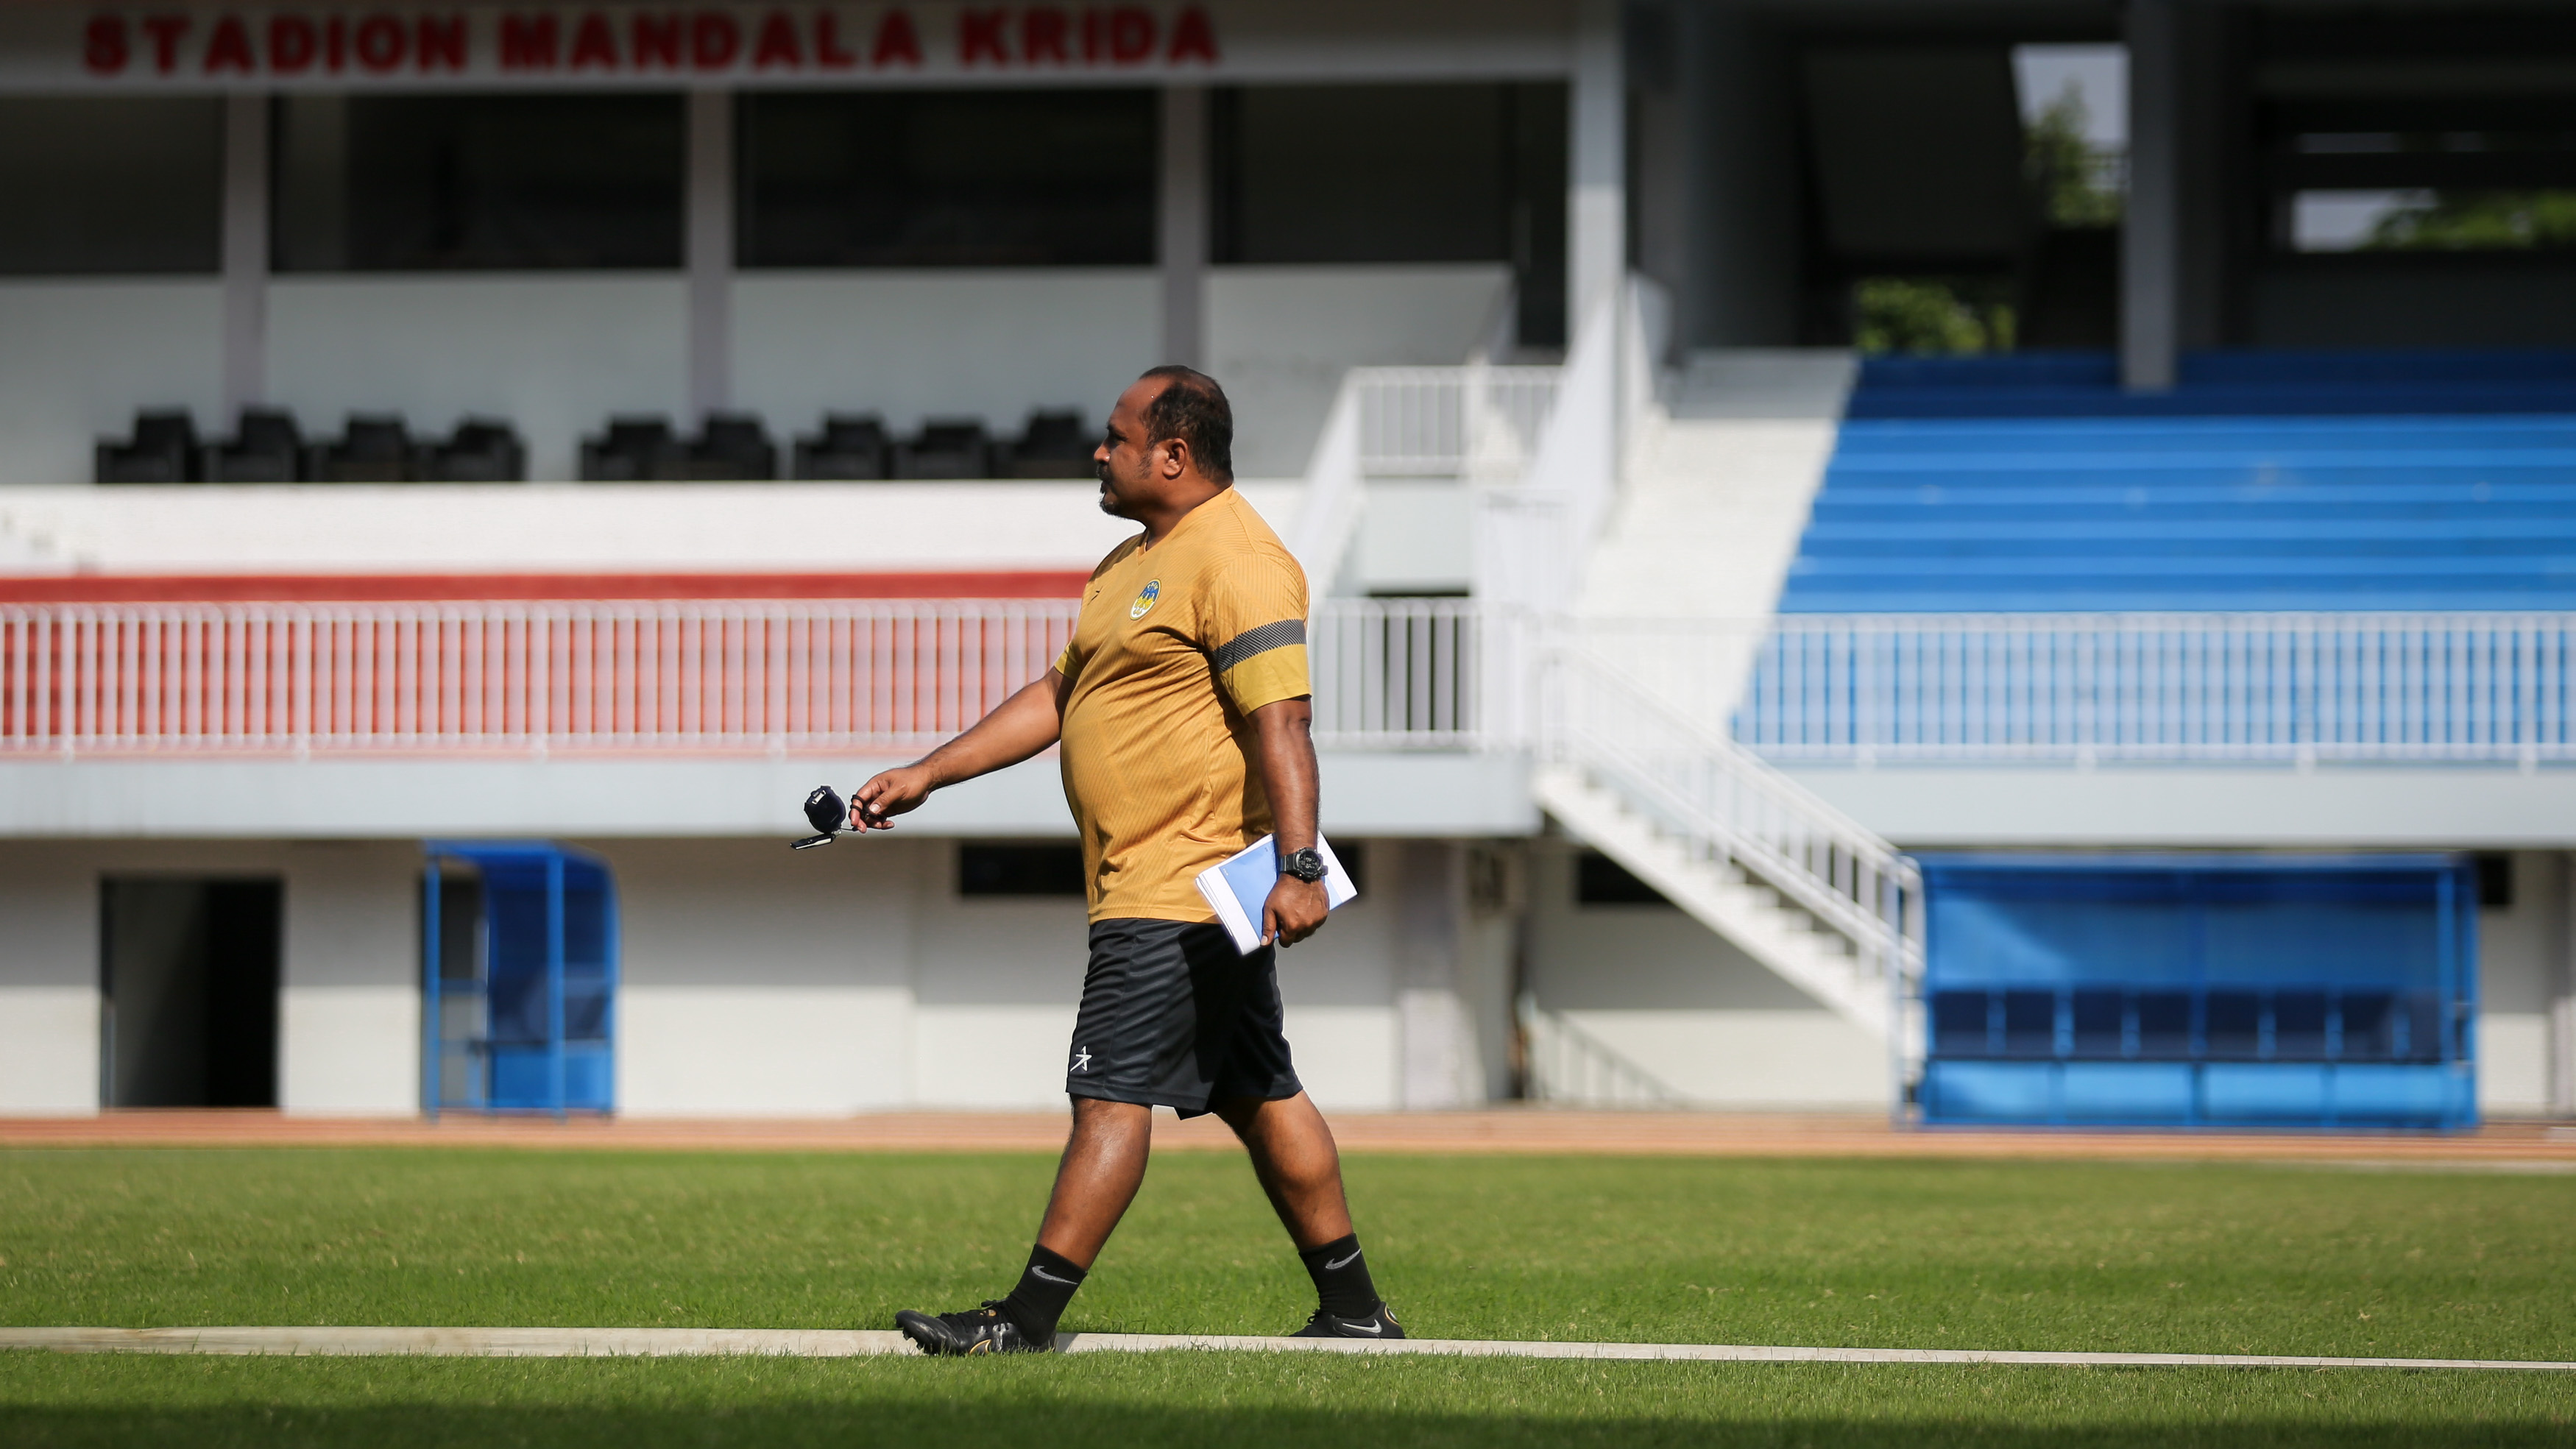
{"x": 2020, "y": 1255}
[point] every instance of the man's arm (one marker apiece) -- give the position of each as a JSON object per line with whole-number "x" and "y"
{"x": 1284, "y": 733}
{"x": 1019, "y": 727}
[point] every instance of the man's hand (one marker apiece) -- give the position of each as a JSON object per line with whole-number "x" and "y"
{"x": 874, "y": 805}
{"x": 1019, "y": 727}
{"x": 1294, "y": 910}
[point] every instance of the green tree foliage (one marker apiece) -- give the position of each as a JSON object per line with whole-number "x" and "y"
{"x": 1931, "y": 316}
{"x": 2478, "y": 221}
{"x": 2074, "y": 181}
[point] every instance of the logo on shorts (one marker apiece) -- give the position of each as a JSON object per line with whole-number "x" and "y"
{"x": 1145, "y": 600}
{"x": 1082, "y": 1059}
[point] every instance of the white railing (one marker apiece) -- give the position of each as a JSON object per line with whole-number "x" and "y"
{"x": 1563, "y": 1063}
{"x": 1474, "y": 422}
{"x": 1726, "y": 808}
{"x": 1450, "y": 422}
{"x": 1397, "y": 673}
{"x": 609, "y": 677}
{"x": 2282, "y": 688}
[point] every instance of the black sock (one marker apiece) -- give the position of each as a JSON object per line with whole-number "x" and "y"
{"x": 1342, "y": 1286}
{"x": 1046, "y": 1286}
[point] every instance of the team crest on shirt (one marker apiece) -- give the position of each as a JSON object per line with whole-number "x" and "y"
{"x": 1145, "y": 599}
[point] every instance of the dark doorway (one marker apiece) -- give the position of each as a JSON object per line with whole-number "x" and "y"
{"x": 189, "y": 971}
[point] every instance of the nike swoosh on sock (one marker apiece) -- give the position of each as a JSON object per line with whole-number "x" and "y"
{"x": 1346, "y": 1262}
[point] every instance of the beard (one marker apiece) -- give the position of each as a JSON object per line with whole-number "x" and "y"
{"x": 1110, "y": 503}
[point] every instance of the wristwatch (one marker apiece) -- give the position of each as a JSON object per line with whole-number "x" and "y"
{"x": 1306, "y": 865}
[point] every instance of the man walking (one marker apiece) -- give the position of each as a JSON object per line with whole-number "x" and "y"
{"x": 1182, "y": 706}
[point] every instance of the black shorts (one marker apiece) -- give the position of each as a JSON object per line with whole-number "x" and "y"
{"x": 1172, "y": 1016}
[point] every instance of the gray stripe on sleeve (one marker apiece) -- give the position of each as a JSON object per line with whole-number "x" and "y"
{"x": 1260, "y": 641}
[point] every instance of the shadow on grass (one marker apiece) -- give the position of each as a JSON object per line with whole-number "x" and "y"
{"x": 1130, "y": 1426}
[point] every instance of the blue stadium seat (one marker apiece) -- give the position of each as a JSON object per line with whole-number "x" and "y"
{"x": 2265, "y": 481}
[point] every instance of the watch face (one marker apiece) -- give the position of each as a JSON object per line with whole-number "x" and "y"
{"x": 1305, "y": 865}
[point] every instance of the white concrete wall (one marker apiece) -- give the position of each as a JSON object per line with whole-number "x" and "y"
{"x": 554, "y": 353}
{"x": 760, "y": 982}
{"x": 2266, "y": 807}
{"x": 756, "y": 982}
{"x": 1366, "y": 793}
{"x": 49, "y": 1000}
{"x": 1414, "y": 537}
{"x": 1683, "y": 1005}
{"x": 349, "y": 1023}
{"x": 349, "y": 997}
{"x": 78, "y": 357}
{"x": 992, "y": 343}
{"x": 2523, "y": 958}
{"x": 431, "y": 528}
{"x": 1280, "y": 337}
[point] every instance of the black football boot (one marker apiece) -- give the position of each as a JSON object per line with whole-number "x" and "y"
{"x": 977, "y": 1330}
{"x": 1380, "y": 1324}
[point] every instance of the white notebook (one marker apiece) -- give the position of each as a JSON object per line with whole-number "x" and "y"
{"x": 1239, "y": 886}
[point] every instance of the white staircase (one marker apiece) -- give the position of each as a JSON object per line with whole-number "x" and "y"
{"x": 1801, "y": 888}
{"x": 1637, "y": 758}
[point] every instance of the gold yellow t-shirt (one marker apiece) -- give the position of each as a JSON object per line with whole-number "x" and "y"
{"x": 1176, "y": 645}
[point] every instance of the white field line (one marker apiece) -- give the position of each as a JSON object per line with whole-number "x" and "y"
{"x": 860, "y": 1343}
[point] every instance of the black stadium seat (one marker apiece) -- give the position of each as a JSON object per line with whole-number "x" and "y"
{"x": 481, "y": 450}
{"x": 634, "y": 450}
{"x": 372, "y": 448}
{"x": 946, "y": 448}
{"x": 164, "y": 450}
{"x": 1055, "y": 445}
{"x": 732, "y": 446}
{"x": 265, "y": 448}
{"x": 850, "y": 446}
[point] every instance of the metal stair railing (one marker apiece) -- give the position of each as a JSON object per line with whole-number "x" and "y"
{"x": 1564, "y": 1063}
{"x": 1728, "y": 809}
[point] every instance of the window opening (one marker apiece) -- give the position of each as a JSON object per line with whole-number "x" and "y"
{"x": 947, "y": 178}
{"x": 992, "y": 869}
{"x": 124, "y": 186}
{"x": 476, "y": 182}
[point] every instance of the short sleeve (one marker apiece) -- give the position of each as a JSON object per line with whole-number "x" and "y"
{"x": 1069, "y": 663}
{"x": 1252, "y": 623}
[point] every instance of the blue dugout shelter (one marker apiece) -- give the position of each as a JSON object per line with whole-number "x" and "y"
{"x": 519, "y": 979}
{"x": 2258, "y": 992}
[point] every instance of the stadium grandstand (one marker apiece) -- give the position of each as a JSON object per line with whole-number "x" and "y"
{"x": 1999, "y": 562}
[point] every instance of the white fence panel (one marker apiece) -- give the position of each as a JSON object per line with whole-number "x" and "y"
{"x": 2244, "y": 687}
{"x": 608, "y": 677}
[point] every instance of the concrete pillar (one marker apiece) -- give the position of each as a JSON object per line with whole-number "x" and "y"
{"x": 1597, "y": 162}
{"x": 708, "y": 251}
{"x": 1667, "y": 159}
{"x": 2562, "y": 1002}
{"x": 1436, "y": 1041}
{"x": 245, "y": 256}
{"x": 1181, "y": 224}
{"x": 2151, "y": 236}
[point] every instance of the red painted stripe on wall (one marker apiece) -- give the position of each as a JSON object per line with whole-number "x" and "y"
{"x": 425, "y": 588}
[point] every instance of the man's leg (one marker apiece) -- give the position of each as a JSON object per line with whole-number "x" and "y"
{"x": 1301, "y": 1170}
{"x": 1104, "y": 1164}
{"x": 1299, "y": 1167}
